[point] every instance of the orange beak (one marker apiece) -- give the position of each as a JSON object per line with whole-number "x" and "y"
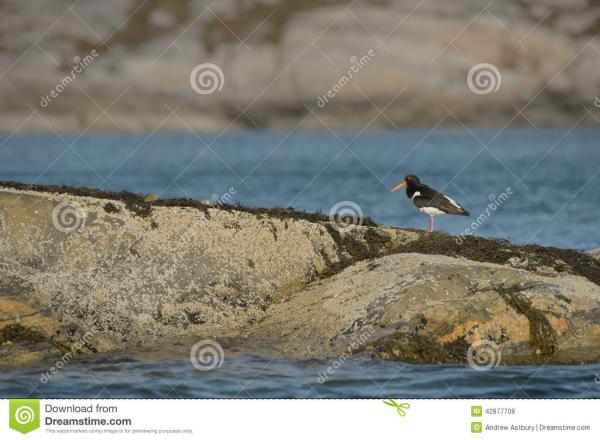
{"x": 398, "y": 187}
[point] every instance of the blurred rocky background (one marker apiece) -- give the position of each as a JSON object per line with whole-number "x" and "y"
{"x": 278, "y": 57}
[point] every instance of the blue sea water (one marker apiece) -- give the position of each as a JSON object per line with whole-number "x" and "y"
{"x": 246, "y": 376}
{"x": 553, "y": 177}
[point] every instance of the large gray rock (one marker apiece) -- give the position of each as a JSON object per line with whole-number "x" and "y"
{"x": 432, "y": 309}
{"x": 96, "y": 266}
{"x": 84, "y": 271}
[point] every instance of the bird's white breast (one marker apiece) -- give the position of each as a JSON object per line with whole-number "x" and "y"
{"x": 429, "y": 210}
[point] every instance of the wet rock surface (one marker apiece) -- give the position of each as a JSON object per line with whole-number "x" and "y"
{"x": 82, "y": 271}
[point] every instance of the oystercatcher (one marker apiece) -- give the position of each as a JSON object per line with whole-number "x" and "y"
{"x": 428, "y": 200}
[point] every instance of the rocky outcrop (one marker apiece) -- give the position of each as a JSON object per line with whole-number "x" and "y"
{"x": 278, "y": 57}
{"x": 432, "y": 309}
{"x": 595, "y": 253}
{"x": 131, "y": 272}
{"x": 85, "y": 271}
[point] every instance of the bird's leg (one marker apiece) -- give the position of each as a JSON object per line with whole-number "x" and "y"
{"x": 431, "y": 222}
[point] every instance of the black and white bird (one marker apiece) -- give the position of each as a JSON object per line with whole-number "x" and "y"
{"x": 428, "y": 200}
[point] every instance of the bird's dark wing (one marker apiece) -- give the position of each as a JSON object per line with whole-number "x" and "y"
{"x": 429, "y": 197}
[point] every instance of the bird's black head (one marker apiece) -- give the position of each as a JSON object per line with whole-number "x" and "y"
{"x": 410, "y": 180}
